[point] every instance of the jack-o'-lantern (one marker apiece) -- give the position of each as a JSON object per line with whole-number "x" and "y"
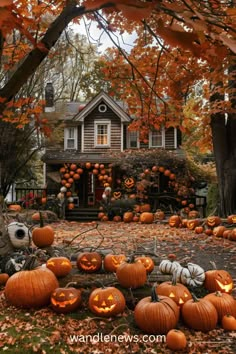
{"x": 112, "y": 261}
{"x": 213, "y": 221}
{"x": 191, "y": 224}
{"x": 116, "y": 195}
{"x": 129, "y": 182}
{"x": 231, "y": 219}
{"x": 178, "y": 292}
{"x": 147, "y": 262}
{"x": 174, "y": 221}
{"x": 60, "y": 266}
{"x": 106, "y": 302}
{"x": 64, "y": 300}
{"x": 218, "y": 280}
{"x": 89, "y": 261}
{"x": 159, "y": 215}
{"x": 193, "y": 214}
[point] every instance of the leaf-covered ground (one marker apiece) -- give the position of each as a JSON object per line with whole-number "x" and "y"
{"x": 43, "y": 331}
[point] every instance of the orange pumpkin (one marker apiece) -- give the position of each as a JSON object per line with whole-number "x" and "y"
{"x": 146, "y": 218}
{"x": 112, "y": 261}
{"x": 174, "y": 221}
{"x": 14, "y": 207}
{"x": 128, "y": 216}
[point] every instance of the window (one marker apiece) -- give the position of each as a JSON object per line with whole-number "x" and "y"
{"x": 133, "y": 141}
{"x": 156, "y": 138}
{"x": 102, "y": 133}
{"x": 71, "y": 138}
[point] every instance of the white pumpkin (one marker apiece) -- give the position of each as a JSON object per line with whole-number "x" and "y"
{"x": 182, "y": 275}
{"x": 19, "y": 234}
{"x": 197, "y": 274}
{"x": 168, "y": 267}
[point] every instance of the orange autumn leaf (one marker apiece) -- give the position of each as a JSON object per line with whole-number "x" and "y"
{"x": 134, "y": 13}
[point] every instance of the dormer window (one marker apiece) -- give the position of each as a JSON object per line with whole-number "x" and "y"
{"x": 102, "y": 133}
{"x": 70, "y": 138}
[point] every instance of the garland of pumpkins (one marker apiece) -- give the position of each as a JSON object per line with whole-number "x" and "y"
{"x": 158, "y": 313}
{"x": 72, "y": 172}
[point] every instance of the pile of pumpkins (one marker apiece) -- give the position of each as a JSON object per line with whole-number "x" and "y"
{"x": 212, "y": 225}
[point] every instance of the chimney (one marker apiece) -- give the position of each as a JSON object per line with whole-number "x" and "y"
{"x": 49, "y": 98}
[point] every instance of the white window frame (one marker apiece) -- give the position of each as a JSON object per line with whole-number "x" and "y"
{"x": 162, "y": 133}
{"x": 96, "y": 124}
{"x": 67, "y": 137}
{"x": 129, "y": 132}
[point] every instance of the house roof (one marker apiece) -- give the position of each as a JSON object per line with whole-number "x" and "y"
{"x": 102, "y": 97}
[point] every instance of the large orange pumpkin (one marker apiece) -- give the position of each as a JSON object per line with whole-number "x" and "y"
{"x": 146, "y": 218}
{"x": 43, "y": 236}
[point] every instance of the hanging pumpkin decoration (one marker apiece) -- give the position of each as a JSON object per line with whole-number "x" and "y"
{"x": 107, "y": 301}
{"x": 178, "y": 292}
{"x": 156, "y": 314}
{"x": 223, "y": 302}
{"x": 131, "y": 274}
{"x": 146, "y": 218}
{"x": 168, "y": 267}
{"x": 60, "y": 266}
{"x": 176, "y": 340}
{"x": 43, "y": 236}
{"x": 30, "y": 287}
{"x": 199, "y": 314}
{"x": 112, "y": 261}
{"x": 174, "y": 221}
{"x": 213, "y": 221}
{"x": 218, "y": 280}
{"x": 229, "y": 323}
{"x": 19, "y": 234}
{"x": 89, "y": 262}
{"x": 65, "y": 300}
{"x": 129, "y": 182}
{"x": 147, "y": 262}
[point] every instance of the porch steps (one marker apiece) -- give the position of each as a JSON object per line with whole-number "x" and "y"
{"x": 82, "y": 214}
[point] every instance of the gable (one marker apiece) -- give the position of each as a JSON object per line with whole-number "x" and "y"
{"x": 99, "y": 101}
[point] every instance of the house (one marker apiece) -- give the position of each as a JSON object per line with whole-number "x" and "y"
{"x": 80, "y": 162}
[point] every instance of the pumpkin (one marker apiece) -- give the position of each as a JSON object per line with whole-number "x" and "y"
{"x": 117, "y": 195}
{"x": 117, "y": 218}
{"x": 223, "y": 302}
{"x": 60, "y": 266}
{"x": 30, "y": 287}
{"x": 193, "y": 214}
{"x": 199, "y": 314}
{"x": 159, "y": 215}
{"x": 147, "y": 262}
{"x": 213, "y": 221}
{"x": 112, "y": 261}
{"x": 218, "y": 280}
{"x": 128, "y": 216}
{"x": 168, "y": 267}
{"x": 232, "y": 235}
{"x": 65, "y": 300}
{"x": 19, "y": 234}
{"x": 156, "y": 314}
{"x": 132, "y": 274}
{"x": 129, "y": 182}
{"x": 14, "y": 207}
{"x": 146, "y": 218}
{"x": 176, "y": 340}
{"x": 192, "y": 223}
{"x": 107, "y": 301}
{"x": 178, "y": 292}
{"x": 197, "y": 275}
{"x": 89, "y": 262}
{"x": 229, "y": 323}
{"x": 231, "y": 219}
{"x": 3, "y": 278}
{"x": 145, "y": 208}
{"x": 208, "y": 232}
{"x": 198, "y": 230}
{"x": 218, "y": 231}
{"x": 42, "y": 236}
{"x": 174, "y": 221}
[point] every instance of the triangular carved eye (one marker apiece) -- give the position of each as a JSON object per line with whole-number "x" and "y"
{"x": 185, "y": 295}
{"x": 96, "y": 298}
{"x": 94, "y": 260}
{"x": 84, "y": 259}
{"x": 172, "y": 295}
{"x": 61, "y": 295}
{"x": 110, "y": 297}
{"x": 181, "y": 301}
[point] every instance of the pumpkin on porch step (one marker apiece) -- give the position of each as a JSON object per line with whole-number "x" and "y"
{"x": 146, "y": 218}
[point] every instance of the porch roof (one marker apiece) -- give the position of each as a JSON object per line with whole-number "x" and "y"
{"x": 71, "y": 156}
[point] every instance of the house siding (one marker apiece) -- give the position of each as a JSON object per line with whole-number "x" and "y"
{"x": 89, "y": 131}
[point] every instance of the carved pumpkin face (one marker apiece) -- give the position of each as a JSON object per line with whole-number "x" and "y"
{"x": 147, "y": 262}
{"x": 107, "y": 302}
{"x": 191, "y": 224}
{"x": 174, "y": 221}
{"x": 89, "y": 261}
{"x": 218, "y": 280}
{"x": 112, "y": 261}
{"x": 117, "y": 195}
{"x": 177, "y": 292}
{"x": 60, "y": 266}
{"x": 231, "y": 219}
{"x": 213, "y": 221}
{"x": 64, "y": 300}
{"x": 129, "y": 182}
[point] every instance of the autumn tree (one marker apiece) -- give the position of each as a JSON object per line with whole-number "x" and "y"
{"x": 188, "y": 40}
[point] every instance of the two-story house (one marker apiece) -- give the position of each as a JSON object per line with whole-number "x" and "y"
{"x": 81, "y": 162}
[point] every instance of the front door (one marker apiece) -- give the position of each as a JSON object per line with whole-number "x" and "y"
{"x": 85, "y": 189}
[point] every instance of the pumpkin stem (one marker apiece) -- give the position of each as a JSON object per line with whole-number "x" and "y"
{"x": 154, "y": 296}
{"x": 71, "y": 283}
{"x": 41, "y": 219}
{"x": 30, "y": 263}
{"x": 213, "y": 264}
{"x": 195, "y": 298}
